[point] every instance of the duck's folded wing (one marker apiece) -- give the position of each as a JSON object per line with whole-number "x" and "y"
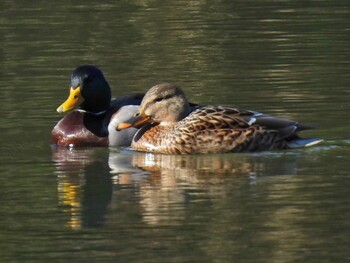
{"x": 133, "y": 99}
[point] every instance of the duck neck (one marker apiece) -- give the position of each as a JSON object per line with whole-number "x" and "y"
{"x": 91, "y": 112}
{"x": 97, "y": 97}
{"x": 185, "y": 112}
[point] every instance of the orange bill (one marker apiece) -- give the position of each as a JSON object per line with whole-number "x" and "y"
{"x": 136, "y": 121}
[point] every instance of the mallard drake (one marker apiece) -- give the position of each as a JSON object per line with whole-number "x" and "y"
{"x": 94, "y": 111}
{"x": 168, "y": 125}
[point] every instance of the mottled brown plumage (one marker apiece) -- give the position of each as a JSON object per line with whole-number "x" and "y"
{"x": 172, "y": 128}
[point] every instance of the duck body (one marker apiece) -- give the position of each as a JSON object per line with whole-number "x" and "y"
{"x": 82, "y": 129}
{"x": 210, "y": 129}
{"x": 168, "y": 126}
{"x": 72, "y": 131}
{"x": 92, "y": 112}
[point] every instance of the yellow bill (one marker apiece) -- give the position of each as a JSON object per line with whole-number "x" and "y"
{"x": 72, "y": 102}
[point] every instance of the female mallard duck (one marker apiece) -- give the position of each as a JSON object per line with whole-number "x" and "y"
{"x": 95, "y": 112}
{"x": 169, "y": 125}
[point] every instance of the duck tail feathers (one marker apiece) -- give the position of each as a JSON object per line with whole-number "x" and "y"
{"x": 300, "y": 142}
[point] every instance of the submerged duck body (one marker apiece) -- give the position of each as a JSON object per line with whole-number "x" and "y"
{"x": 169, "y": 126}
{"x": 93, "y": 111}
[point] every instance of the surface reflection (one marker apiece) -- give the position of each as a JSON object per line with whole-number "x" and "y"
{"x": 84, "y": 186}
{"x": 177, "y": 181}
{"x": 191, "y": 166}
{"x": 160, "y": 187}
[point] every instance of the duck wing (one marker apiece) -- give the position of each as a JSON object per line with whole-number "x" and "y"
{"x": 285, "y": 127}
{"x": 215, "y": 117}
{"x": 218, "y": 117}
{"x": 133, "y": 99}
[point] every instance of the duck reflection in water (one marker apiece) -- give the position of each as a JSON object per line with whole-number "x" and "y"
{"x": 158, "y": 187}
{"x": 84, "y": 186}
{"x": 178, "y": 180}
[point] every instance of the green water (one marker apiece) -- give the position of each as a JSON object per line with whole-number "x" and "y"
{"x": 286, "y": 58}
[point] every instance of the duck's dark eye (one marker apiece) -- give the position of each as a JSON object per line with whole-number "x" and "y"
{"x": 165, "y": 97}
{"x": 137, "y": 114}
{"x": 75, "y": 96}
